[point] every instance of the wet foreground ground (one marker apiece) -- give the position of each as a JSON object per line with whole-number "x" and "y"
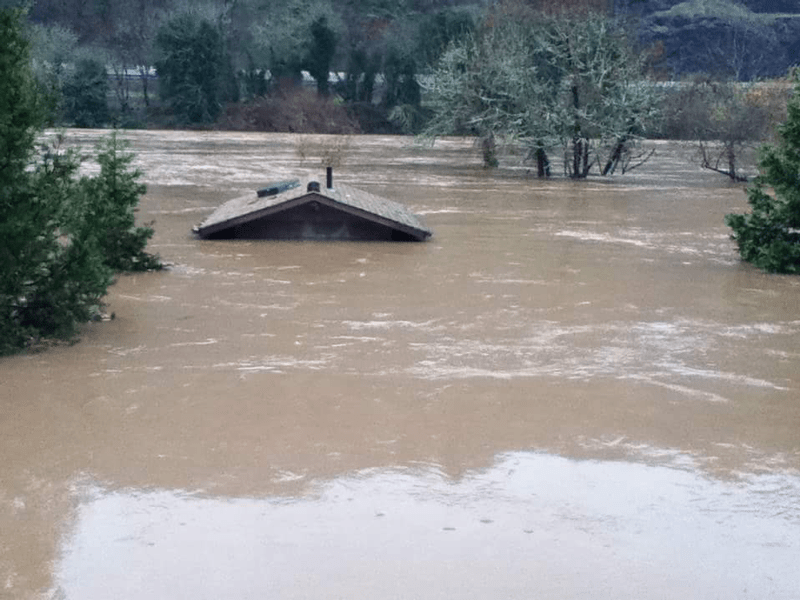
{"x": 573, "y": 391}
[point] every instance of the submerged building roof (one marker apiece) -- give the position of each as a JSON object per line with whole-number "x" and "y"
{"x": 304, "y": 210}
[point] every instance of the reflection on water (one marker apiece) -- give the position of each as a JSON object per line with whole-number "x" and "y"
{"x": 529, "y": 526}
{"x": 572, "y": 387}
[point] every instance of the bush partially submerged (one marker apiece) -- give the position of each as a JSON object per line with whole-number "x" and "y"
{"x": 63, "y": 238}
{"x": 292, "y": 110}
{"x": 769, "y": 236}
{"x": 727, "y": 119}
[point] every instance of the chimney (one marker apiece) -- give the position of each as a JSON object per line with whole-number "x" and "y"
{"x": 329, "y": 175}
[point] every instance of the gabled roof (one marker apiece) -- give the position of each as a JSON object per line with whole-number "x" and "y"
{"x": 281, "y": 197}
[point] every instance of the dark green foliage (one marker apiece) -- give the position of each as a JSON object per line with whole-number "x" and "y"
{"x": 22, "y": 217}
{"x": 320, "y": 53}
{"x": 53, "y": 273}
{"x": 85, "y": 95}
{"x": 362, "y": 68}
{"x": 403, "y": 94}
{"x": 61, "y": 236}
{"x": 22, "y": 109}
{"x": 61, "y": 240}
{"x": 114, "y": 194}
{"x": 193, "y": 69}
{"x": 438, "y": 30}
{"x": 769, "y": 236}
{"x": 400, "y": 71}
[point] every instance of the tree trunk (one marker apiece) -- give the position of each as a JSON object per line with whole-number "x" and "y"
{"x": 542, "y": 163}
{"x": 580, "y": 147}
{"x": 581, "y": 164}
{"x": 586, "y": 164}
{"x": 121, "y": 88}
{"x": 143, "y": 71}
{"x": 730, "y": 153}
{"x": 489, "y": 150}
{"x": 576, "y": 156}
{"x": 616, "y": 156}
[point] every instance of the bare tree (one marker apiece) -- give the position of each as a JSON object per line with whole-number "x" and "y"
{"x": 745, "y": 51}
{"x": 728, "y": 119}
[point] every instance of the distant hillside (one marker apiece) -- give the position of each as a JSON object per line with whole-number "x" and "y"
{"x": 746, "y": 39}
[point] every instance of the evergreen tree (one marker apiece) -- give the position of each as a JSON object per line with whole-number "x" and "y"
{"x": 22, "y": 109}
{"x": 438, "y": 30}
{"x": 191, "y": 68}
{"x": 59, "y": 234}
{"x": 64, "y": 275}
{"x": 115, "y": 193}
{"x": 27, "y": 224}
{"x": 769, "y": 236}
{"x": 85, "y": 95}
{"x": 320, "y": 53}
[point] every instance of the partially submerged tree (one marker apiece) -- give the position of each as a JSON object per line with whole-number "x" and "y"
{"x": 51, "y": 277}
{"x": 603, "y": 101}
{"x": 730, "y": 128}
{"x": 490, "y": 82}
{"x": 769, "y": 236}
{"x": 728, "y": 120}
{"x": 56, "y": 260}
{"x": 552, "y": 82}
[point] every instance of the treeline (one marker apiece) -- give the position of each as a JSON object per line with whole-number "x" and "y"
{"x": 215, "y": 56}
{"x": 240, "y": 64}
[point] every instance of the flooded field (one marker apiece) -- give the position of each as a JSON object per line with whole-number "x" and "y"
{"x": 574, "y": 390}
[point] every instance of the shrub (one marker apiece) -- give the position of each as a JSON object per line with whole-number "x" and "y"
{"x": 728, "y": 119}
{"x": 769, "y": 236}
{"x": 293, "y": 110}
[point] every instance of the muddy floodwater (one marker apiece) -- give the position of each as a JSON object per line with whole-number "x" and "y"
{"x": 572, "y": 391}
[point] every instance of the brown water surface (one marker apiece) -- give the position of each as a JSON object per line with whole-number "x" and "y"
{"x": 574, "y": 390}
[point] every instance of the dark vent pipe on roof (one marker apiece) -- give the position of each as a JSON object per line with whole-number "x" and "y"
{"x": 329, "y": 177}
